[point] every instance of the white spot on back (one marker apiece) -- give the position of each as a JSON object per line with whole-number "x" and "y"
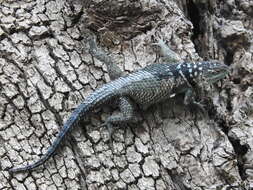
{"x": 170, "y": 73}
{"x": 195, "y": 66}
{"x": 172, "y": 95}
{"x": 179, "y": 66}
{"x": 195, "y": 73}
{"x": 190, "y": 70}
{"x": 200, "y": 68}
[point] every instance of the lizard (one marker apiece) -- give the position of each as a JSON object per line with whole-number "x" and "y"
{"x": 149, "y": 85}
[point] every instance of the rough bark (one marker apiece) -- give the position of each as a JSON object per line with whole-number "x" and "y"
{"x": 46, "y": 71}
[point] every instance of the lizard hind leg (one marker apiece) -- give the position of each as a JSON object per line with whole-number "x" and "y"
{"x": 113, "y": 70}
{"x": 126, "y": 115}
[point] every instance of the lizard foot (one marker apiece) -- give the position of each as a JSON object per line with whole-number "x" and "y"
{"x": 109, "y": 127}
{"x": 200, "y": 107}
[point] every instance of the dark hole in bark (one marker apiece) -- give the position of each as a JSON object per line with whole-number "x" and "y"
{"x": 195, "y": 17}
{"x": 240, "y": 151}
{"x": 229, "y": 56}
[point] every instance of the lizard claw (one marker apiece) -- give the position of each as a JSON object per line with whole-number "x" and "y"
{"x": 200, "y": 107}
{"x": 109, "y": 127}
{"x": 100, "y": 126}
{"x": 167, "y": 54}
{"x": 159, "y": 42}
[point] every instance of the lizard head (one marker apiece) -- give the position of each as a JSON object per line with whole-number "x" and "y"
{"x": 208, "y": 71}
{"x": 213, "y": 71}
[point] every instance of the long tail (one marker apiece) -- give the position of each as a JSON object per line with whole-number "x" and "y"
{"x": 98, "y": 97}
{"x": 72, "y": 121}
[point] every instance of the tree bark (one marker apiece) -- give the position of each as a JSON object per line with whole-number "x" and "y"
{"x": 46, "y": 71}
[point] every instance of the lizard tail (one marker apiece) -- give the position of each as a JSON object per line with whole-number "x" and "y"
{"x": 92, "y": 101}
{"x": 72, "y": 121}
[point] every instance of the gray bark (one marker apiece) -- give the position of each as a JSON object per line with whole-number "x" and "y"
{"x": 46, "y": 71}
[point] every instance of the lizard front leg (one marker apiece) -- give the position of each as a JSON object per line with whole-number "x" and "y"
{"x": 189, "y": 100}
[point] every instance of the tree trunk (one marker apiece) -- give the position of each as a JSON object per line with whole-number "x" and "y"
{"x": 46, "y": 71}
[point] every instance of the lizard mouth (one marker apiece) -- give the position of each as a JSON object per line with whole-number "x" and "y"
{"x": 213, "y": 79}
{"x": 218, "y": 73}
